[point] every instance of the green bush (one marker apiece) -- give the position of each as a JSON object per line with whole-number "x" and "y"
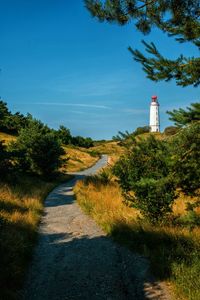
{"x": 82, "y": 142}
{"x": 11, "y": 123}
{"x": 64, "y": 135}
{"x": 171, "y": 130}
{"x": 154, "y": 198}
{"x": 144, "y": 178}
{"x": 186, "y": 158}
{"x": 38, "y": 149}
{"x": 5, "y": 162}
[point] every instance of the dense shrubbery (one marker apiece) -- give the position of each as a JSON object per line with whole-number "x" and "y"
{"x": 186, "y": 158}
{"x": 171, "y": 130}
{"x": 145, "y": 170}
{"x": 66, "y": 138}
{"x": 38, "y": 149}
{"x": 11, "y": 123}
{"x": 124, "y": 136}
{"x": 5, "y": 163}
{"x": 153, "y": 170}
{"x": 182, "y": 117}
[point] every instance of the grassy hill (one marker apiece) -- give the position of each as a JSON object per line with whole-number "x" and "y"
{"x": 81, "y": 158}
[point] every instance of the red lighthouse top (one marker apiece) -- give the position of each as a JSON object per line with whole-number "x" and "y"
{"x": 154, "y": 98}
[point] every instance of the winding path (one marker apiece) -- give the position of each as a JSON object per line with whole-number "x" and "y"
{"x": 74, "y": 260}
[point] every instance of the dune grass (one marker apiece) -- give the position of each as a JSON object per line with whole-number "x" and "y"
{"x": 21, "y": 207}
{"x": 7, "y": 138}
{"x": 81, "y": 158}
{"x": 78, "y": 159}
{"x": 174, "y": 251}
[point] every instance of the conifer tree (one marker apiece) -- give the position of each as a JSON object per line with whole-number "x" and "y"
{"x": 182, "y": 117}
{"x": 175, "y": 17}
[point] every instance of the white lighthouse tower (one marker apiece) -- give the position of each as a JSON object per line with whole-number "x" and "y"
{"x": 154, "y": 115}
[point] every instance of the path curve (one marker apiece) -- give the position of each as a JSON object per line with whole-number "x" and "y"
{"x": 74, "y": 260}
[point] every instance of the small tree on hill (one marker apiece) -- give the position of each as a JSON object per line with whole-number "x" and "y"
{"x": 11, "y": 123}
{"x": 171, "y": 130}
{"x": 39, "y": 150}
{"x": 64, "y": 135}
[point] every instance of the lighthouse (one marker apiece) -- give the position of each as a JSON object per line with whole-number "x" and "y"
{"x": 154, "y": 123}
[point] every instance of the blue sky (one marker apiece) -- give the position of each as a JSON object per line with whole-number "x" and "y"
{"x": 64, "y": 67}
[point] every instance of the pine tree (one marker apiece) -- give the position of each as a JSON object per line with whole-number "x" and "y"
{"x": 182, "y": 117}
{"x": 175, "y": 17}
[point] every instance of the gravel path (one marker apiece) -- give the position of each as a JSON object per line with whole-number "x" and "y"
{"x": 74, "y": 260}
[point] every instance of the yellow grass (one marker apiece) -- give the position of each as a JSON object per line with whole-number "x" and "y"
{"x": 21, "y": 206}
{"x": 113, "y": 149}
{"x": 7, "y": 137}
{"x": 180, "y": 204}
{"x": 78, "y": 159}
{"x": 104, "y": 203}
{"x": 109, "y": 148}
{"x": 81, "y": 158}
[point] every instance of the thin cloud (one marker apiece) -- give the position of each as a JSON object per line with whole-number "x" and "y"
{"x": 73, "y": 105}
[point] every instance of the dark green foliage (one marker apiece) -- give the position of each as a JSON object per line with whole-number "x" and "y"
{"x": 141, "y": 130}
{"x": 82, "y": 142}
{"x": 66, "y": 138}
{"x": 5, "y": 163}
{"x": 38, "y": 149}
{"x": 182, "y": 117}
{"x": 154, "y": 198}
{"x": 64, "y": 135}
{"x": 184, "y": 70}
{"x": 171, "y": 130}
{"x": 11, "y": 123}
{"x": 121, "y": 136}
{"x": 152, "y": 170}
{"x": 186, "y": 158}
{"x": 145, "y": 171}
{"x": 127, "y": 139}
{"x": 176, "y": 18}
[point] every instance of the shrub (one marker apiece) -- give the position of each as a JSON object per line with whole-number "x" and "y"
{"x": 11, "y": 123}
{"x": 41, "y": 149}
{"x": 141, "y": 130}
{"x": 144, "y": 178}
{"x": 5, "y": 163}
{"x": 82, "y": 142}
{"x": 186, "y": 158}
{"x": 154, "y": 197}
{"x": 64, "y": 135}
{"x": 171, "y": 130}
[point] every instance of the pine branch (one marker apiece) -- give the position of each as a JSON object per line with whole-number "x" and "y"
{"x": 179, "y": 19}
{"x": 186, "y": 71}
